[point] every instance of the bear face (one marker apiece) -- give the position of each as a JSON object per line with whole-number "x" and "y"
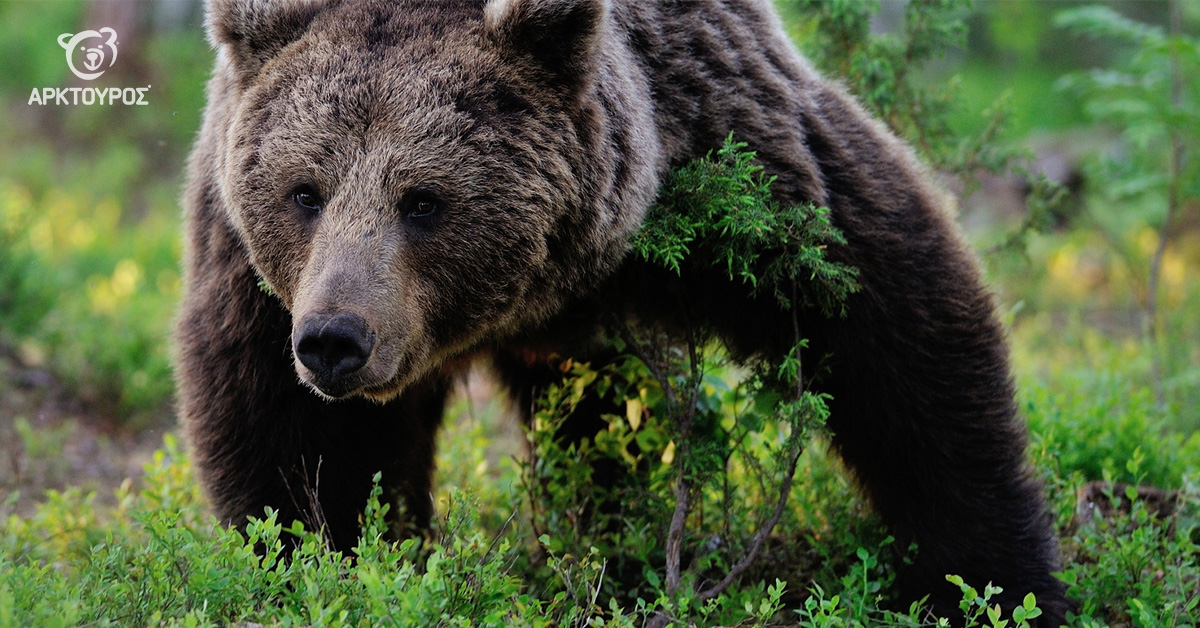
{"x": 395, "y": 185}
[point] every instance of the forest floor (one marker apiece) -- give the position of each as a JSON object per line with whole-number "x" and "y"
{"x": 51, "y": 439}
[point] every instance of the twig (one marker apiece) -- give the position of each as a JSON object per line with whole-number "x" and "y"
{"x": 785, "y": 487}
{"x": 595, "y": 594}
{"x": 495, "y": 539}
{"x": 785, "y": 490}
{"x": 651, "y": 365}
{"x": 314, "y": 517}
{"x": 675, "y": 532}
{"x": 683, "y": 487}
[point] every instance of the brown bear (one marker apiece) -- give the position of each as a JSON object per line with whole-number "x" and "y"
{"x": 423, "y": 184}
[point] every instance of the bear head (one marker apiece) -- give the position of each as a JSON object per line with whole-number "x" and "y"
{"x": 417, "y": 179}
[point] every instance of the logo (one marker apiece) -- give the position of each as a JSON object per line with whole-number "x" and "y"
{"x": 89, "y": 54}
{"x": 93, "y": 48}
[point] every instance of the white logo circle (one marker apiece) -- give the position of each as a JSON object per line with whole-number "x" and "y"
{"x": 94, "y": 55}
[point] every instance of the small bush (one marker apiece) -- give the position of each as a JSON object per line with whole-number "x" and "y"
{"x": 87, "y": 295}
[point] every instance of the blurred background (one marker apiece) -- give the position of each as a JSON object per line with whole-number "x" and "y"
{"x": 1068, "y": 134}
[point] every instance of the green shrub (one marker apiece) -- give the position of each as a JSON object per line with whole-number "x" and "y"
{"x": 1095, "y": 426}
{"x": 88, "y": 295}
{"x": 160, "y": 561}
{"x": 1137, "y": 567}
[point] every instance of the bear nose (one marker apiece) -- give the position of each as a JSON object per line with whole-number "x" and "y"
{"x": 333, "y": 346}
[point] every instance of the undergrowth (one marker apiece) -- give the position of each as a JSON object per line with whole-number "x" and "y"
{"x": 159, "y": 559}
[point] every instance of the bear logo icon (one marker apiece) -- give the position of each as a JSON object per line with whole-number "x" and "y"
{"x": 94, "y": 55}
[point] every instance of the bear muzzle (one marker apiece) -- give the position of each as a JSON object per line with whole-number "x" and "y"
{"x": 333, "y": 347}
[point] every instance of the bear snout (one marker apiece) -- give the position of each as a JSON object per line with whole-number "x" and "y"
{"x": 333, "y": 347}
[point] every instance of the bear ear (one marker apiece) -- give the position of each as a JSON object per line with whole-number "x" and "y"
{"x": 252, "y": 32}
{"x": 560, "y": 36}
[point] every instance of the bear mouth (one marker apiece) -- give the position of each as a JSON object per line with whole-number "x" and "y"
{"x": 331, "y": 391}
{"x": 366, "y": 383}
{"x": 337, "y": 389}
{"x": 341, "y": 390}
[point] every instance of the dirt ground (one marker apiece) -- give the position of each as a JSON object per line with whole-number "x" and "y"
{"x": 50, "y": 439}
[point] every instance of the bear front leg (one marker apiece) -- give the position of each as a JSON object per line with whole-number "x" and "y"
{"x": 923, "y": 413}
{"x": 259, "y": 438}
{"x": 934, "y": 440}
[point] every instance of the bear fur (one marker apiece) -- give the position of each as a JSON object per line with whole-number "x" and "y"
{"x": 425, "y": 184}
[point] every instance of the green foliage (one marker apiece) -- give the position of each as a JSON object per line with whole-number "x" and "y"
{"x": 884, "y": 72}
{"x": 1137, "y": 568}
{"x": 977, "y": 611}
{"x": 41, "y": 59}
{"x": 1127, "y": 563}
{"x": 160, "y": 561}
{"x": 1152, "y": 97}
{"x": 89, "y": 244}
{"x": 722, "y": 207}
{"x": 575, "y": 516}
{"x": 879, "y": 69}
{"x": 1094, "y": 428}
{"x": 87, "y": 295}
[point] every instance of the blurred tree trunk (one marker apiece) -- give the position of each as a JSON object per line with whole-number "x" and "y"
{"x": 131, "y": 20}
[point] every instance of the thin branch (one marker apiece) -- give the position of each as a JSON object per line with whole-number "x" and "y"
{"x": 785, "y": 487}
{"x": 674, "y": 546}
{"x": 683, "y": 488}
{"x": 596, "y": 586}
{"x": 651, "y": 365}
{"x": 314, "y": 516}
{"x": 675, "y": 532}
{"x": 496, "y": 539}
{"x": 785, "y": 490}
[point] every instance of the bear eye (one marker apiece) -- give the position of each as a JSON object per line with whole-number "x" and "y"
{"x": 420, "y": 204}
{"x": 307, "y": 198}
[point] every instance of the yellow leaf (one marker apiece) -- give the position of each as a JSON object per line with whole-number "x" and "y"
{"x": 633, "y": 413}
